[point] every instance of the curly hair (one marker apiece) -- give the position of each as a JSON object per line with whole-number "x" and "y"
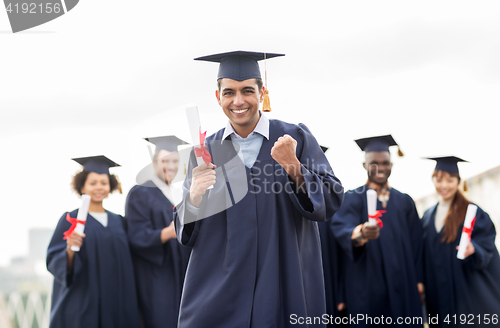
{"x": 79, "y": 181}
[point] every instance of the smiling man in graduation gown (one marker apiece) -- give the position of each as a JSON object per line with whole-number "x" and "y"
{"x": 382, "y": 263}
{"x": 159, "y": 260}
{"x": 257, "y": 261}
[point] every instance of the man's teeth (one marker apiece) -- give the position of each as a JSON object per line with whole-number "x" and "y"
{"x": 239, "y": 111}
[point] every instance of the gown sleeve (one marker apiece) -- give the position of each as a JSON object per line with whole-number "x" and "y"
{"x": 345, "y": 221}
{"x": 145, "y": 241}
{"x": 186, "y": 221}
{"x": 324, "y": 192}
{"x": 416, "y": 236}
{"x": 57, "y": 256}
{"x": 483, "y": 239}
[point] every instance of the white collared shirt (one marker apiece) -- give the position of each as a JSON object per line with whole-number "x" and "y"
{"x": 262, "y": 128}
{"x": 249, "y": 147}
{"x": 173, "y": 192}
{"x": 101, "y": 217}
{"x": 441, "y": 213}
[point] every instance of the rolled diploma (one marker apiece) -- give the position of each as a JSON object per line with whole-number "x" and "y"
{"x": 371, "y": 201}
{"x": 82, "y": 216}
{"x": 193, "y": 117}
{"x": 464, "y": 239}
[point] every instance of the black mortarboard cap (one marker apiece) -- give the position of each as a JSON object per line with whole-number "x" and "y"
{"x": 447, "y": 163}
{"x": 379, "y": 143}
{"x": 98, "y": 164}
{"x": 324, "y": 148}
{"x": 168, "y": 143}
{"x": 238, "y": 65}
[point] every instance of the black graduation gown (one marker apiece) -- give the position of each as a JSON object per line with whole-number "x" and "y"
{"x": 469, "y": 287}
{"x": 159, "y": 268}
{"x": 101, "y": 290}
{"x": 258, "y": 263}
{"x": 381, "y": 277}
{"x": 334, "y": 282}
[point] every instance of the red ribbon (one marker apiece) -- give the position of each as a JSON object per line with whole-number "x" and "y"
{"x": 202, "y": 151}
{"x": 468, "y": 231}
{"x": 73, "y": 222}
{"x": 377, "y": 216}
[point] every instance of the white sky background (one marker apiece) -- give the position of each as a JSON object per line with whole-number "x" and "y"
{"x": 99, "y": 78}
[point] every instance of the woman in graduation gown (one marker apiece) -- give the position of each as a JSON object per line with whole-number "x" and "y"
{"x": 459, "y": 292}
{"x": 94, "y": 287}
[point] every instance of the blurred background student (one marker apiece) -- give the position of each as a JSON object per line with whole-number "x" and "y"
{"x": 94, "y": 287}
{"x": 160, "y": 261}
{"x": 381, "y": 265}
{"x": 460, "y": 292}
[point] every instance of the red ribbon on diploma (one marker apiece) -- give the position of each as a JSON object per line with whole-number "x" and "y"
{"x": 73, "y": 222}
{"x": 202, "y": 151}
{"x": 377, "y": 216}
{"x": 468, "y": 231}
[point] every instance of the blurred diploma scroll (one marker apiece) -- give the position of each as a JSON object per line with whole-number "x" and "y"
{"x": 470, "y": 219}
{"x": 371, "y": 201}
{"x": 82, "y": 216}
{"x": 197, "y": 136}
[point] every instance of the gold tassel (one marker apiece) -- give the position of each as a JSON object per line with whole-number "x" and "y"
{"x": 400, "y": 153}
{"x": 266, "y": 107}
{"x": 185, "y": 170}
{"x": 465, "y": 186}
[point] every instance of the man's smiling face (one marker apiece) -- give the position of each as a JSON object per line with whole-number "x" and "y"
{"x": 240, "y": 101}
{"x": 378, "y": 166}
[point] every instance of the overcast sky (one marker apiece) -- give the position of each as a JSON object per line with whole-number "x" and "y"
{"x": 98, "y": 79}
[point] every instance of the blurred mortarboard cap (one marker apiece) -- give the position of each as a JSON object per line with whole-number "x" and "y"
{"x": 98, "y": 164}
{"x": 447, "y": 163}
{"x": 238, "y": 65}
{"x": 324, "y": 148}
{"x": 378, "y": 143}
{"x": 168, "y": 143}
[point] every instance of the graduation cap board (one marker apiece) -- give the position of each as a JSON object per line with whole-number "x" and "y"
{"x": 378, "y": 143}
{"x": 98, "y": 164}
{"x": 168, "y": 143}
{"x": 324, "y": 148}
{"x": 447, "y": 163}
{"x": 240, "y": 66}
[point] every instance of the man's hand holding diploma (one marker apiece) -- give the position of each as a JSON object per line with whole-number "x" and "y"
{"x": 203, "y": 177}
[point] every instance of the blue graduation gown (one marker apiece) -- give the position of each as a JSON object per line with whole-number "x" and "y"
{"x": 259, "y": 262}
{"x": 159, "y": 268}
{"x": 334, "y": 282}
{"x": 469, "y": 287}
{"x": 100, "y": 292}
{"x": 381, "y": 277}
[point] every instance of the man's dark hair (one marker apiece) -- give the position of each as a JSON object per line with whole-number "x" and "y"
{"x": 79, "y": 181}
{"x": 259, "y": 82}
